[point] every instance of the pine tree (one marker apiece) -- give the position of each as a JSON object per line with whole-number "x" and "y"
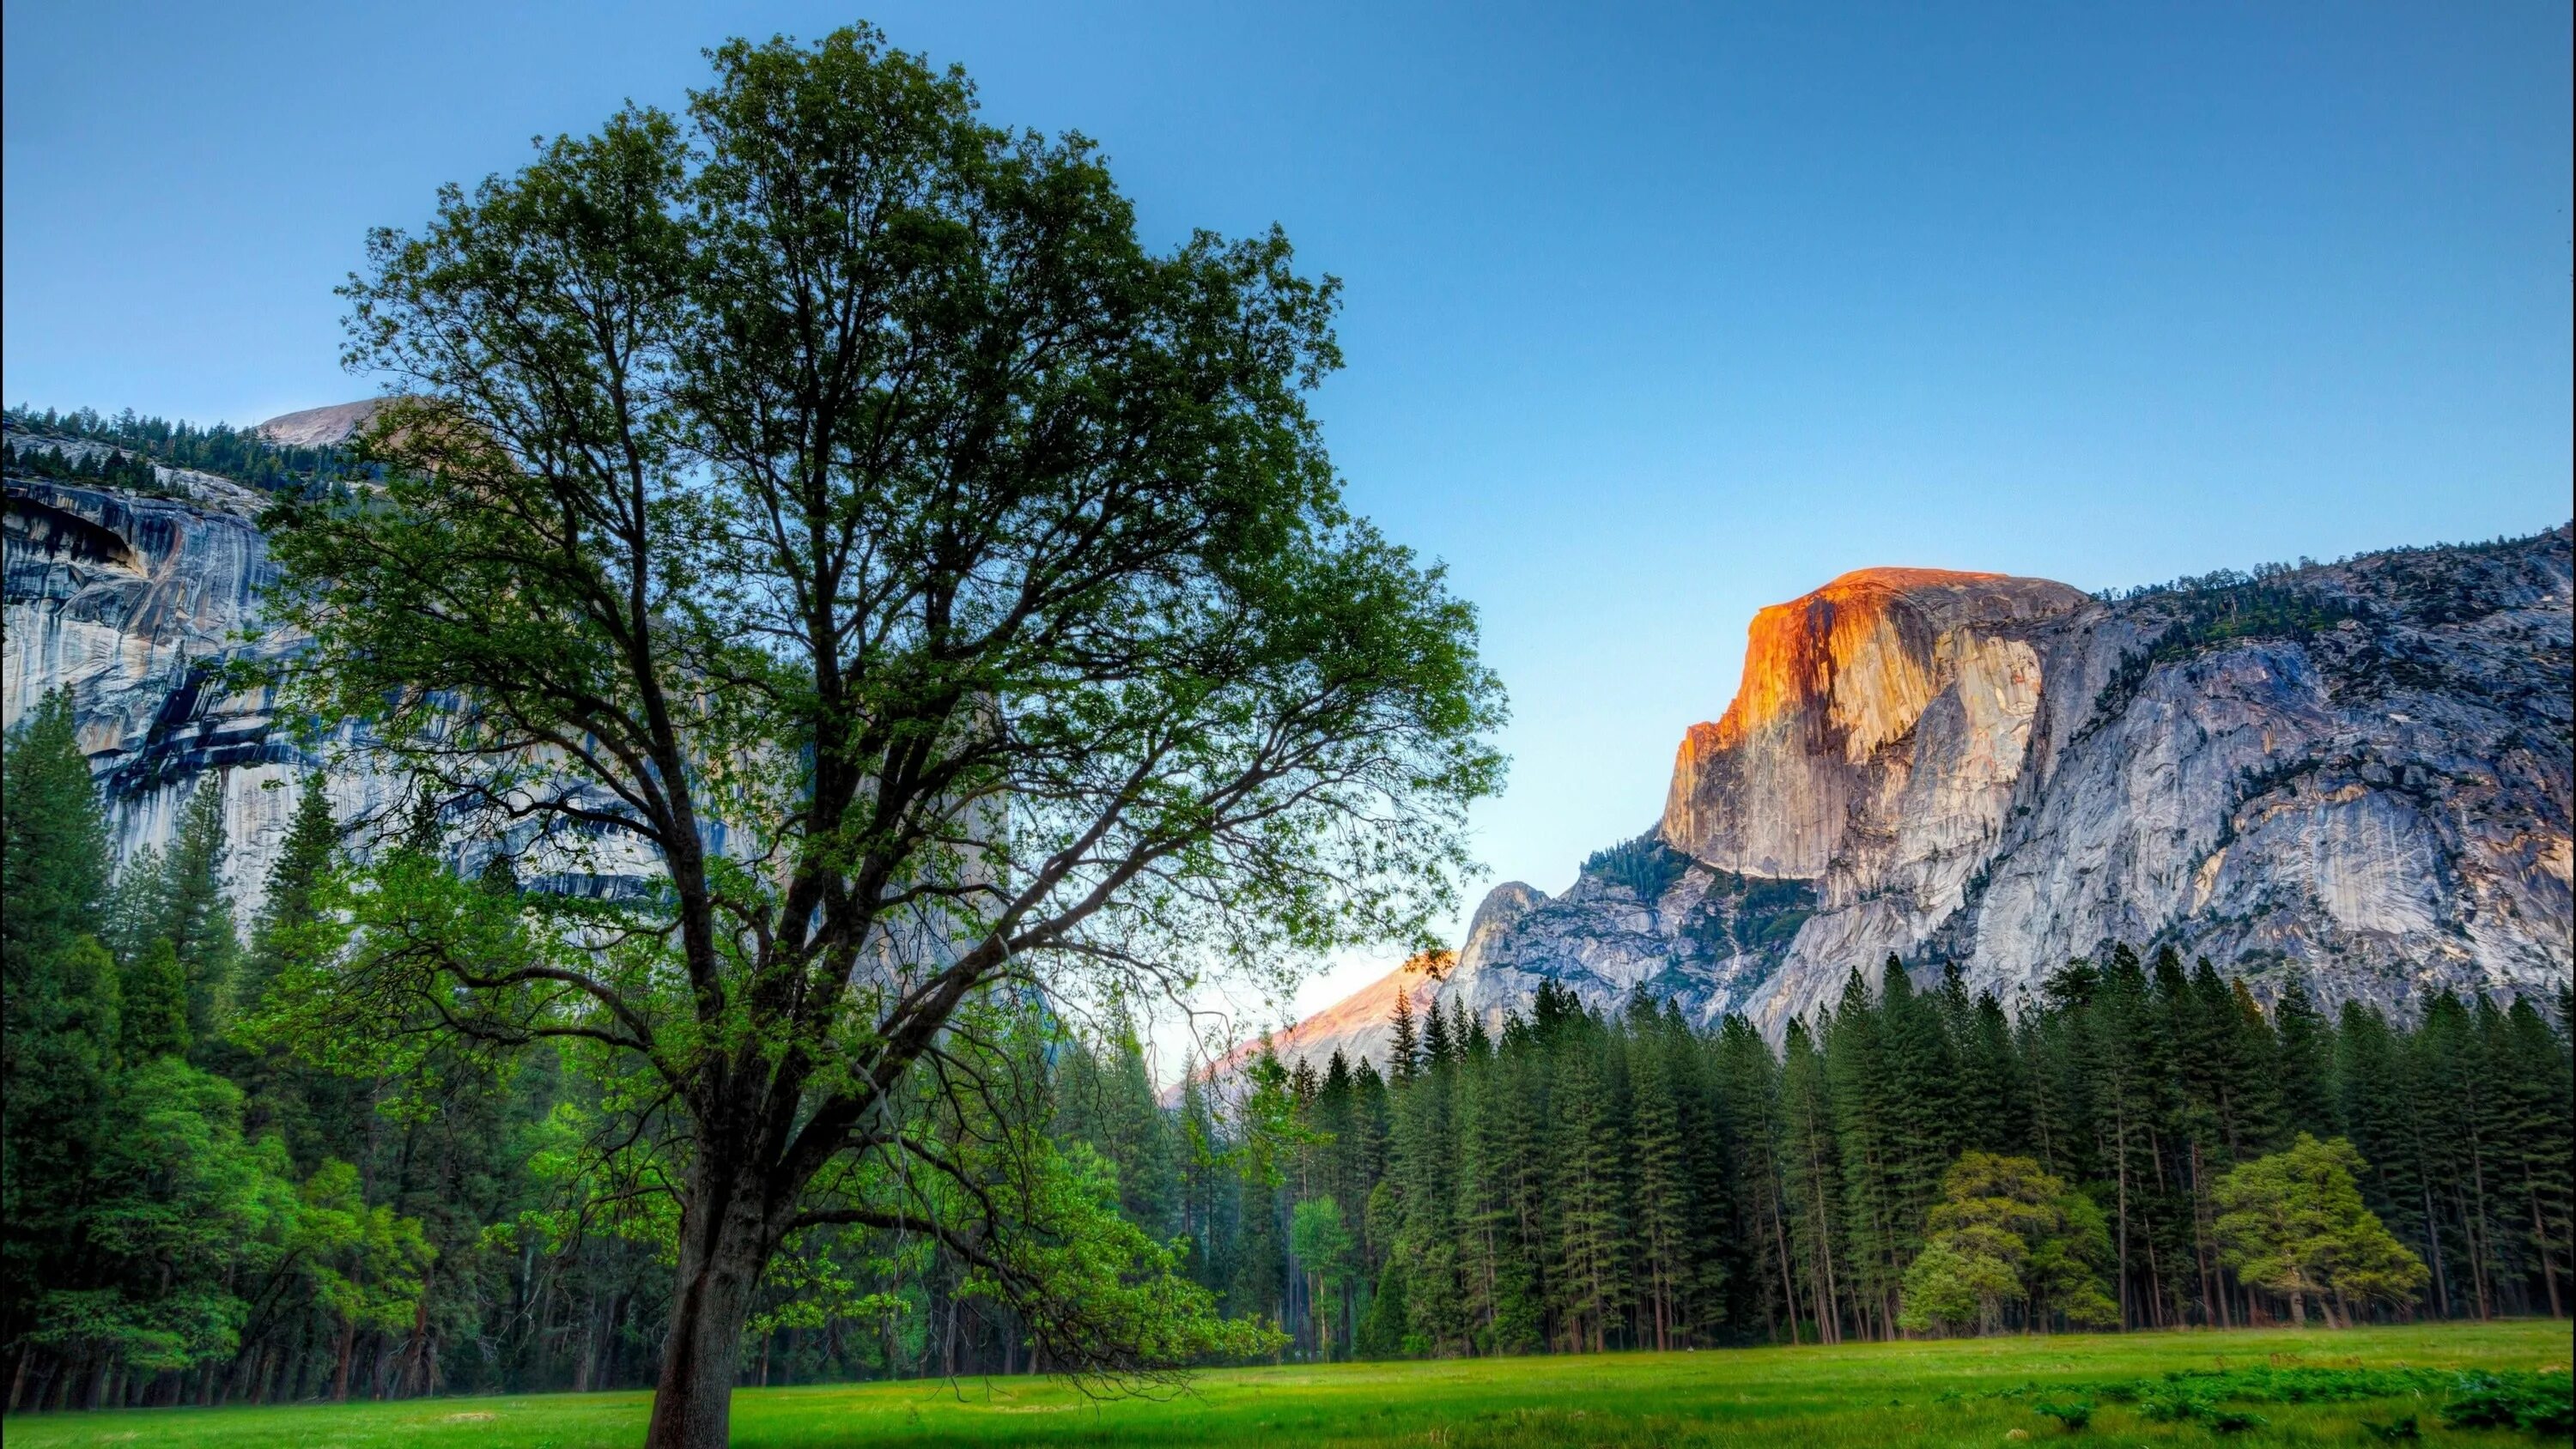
{"x": 1748, "y": 1086}
{"x": 1662, "y": 1209}
{"x": 1993, "y": 1097}
{"x": 1404, "y": 1053}
{"x": 1591, "y": 1249}
{"x": 1864, "y": 1127}
{"x": 1811, "y": 1177}
{"x": 2130, "y": 1088}
{"x": 154, "y": 1005}
{"x": 56, "y": 853}
{"x": 2377, "y": 1100}
{"x": 1924, "y": 1124}
{"x": 1438, "y": 1048}
{"x": 294, "y": 880}
{"x": 2303, "y": 1061}
{"x": 2539, "y": 1131}
{"x": 197, "y": 917}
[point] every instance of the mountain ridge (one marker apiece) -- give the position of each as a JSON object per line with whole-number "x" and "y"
{"x": 2360, "y": 771}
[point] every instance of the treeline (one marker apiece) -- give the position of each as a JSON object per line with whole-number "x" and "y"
{"x": 235, "y": 453}
{"x": 1580, "y": 1181}
{"x": 196, "y": 1213}
{"x": 108, "y": 468}
{"x": 202, "y": 1209}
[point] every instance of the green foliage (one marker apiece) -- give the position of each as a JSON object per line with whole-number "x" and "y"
{"x": 1645, "y": 865}
{"x": 56, "y": 849}
{"x": 2294, "y": 1223}
{"x": 106, "y": 469}
{"x": 2541, "y": 1403}
{"x": 2005, "y": 1233}
{"x": 2072, "y": 1415}
{"x": 1076, "y": 676}
{"x": 154, "y": 1004}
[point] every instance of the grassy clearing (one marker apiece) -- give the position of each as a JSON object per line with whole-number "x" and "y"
{"x": 1881, "y": 1396}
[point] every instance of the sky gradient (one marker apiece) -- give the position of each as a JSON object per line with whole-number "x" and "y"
{"x": 1654, "y": 315}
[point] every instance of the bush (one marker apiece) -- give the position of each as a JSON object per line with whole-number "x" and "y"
{"x": 2542, "y": 1403}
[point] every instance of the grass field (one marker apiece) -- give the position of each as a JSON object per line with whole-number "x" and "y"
{"x": 1880, "y": 1396}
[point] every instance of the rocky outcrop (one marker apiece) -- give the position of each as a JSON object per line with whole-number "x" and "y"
{"x": 1360, "y": 1026}
{"x": 138, "y": 604}
{"x": 2361, "y": 771}
{"x": 135, "y": 604}
{"x": 323, "y": 427}
{"x": 1816, "y": 749}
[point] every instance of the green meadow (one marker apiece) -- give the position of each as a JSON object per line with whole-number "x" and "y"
{"x": 2359, "y": 1387}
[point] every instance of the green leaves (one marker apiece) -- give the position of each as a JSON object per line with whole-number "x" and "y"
{"x": 2294, "y": 1224}
{"x": 2006, "y": 1232}
{"x": 827, "y": 505}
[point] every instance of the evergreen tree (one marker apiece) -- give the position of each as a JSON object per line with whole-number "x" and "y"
{"x": 2303, "y": 1061}
{"x": 1811, "y": 1173}
{"x": 1664, "y": 1206}
{"x": 197, "y": 915}
{"x": 56, "y": 861}
{"x": 1590, "y": 1274}
{"x": 1748, "y": 1087}
{"x": 1404, "y": 1053}
{"x": 294, "y": 879}
{"x": 1865, "y": 1127}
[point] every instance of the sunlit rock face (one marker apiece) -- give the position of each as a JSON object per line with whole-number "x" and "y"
{"x": 1360, "y": 1026}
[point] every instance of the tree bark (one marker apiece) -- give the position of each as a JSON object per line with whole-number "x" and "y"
{"x": 724, "y": 1244}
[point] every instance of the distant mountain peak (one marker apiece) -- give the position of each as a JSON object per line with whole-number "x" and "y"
{"x": 321, "y": 427}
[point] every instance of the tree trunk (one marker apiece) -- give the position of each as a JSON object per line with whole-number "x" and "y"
{"x": 346, "y": 1350}
{"x": 724, "y": 1243}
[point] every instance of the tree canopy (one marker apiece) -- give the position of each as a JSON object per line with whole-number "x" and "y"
{"x": 832, "y": 497}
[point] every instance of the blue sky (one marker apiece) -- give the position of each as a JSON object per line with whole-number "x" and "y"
{"x": 1655, "y": 314}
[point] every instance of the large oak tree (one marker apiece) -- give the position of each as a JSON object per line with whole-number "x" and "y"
{"x": 828, "y": 495}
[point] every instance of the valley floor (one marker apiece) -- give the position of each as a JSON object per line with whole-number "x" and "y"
{"x": 1879, "y": 1395}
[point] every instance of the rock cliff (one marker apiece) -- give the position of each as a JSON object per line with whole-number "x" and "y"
{"x": 134, "y": 604}
{"x": 2361, "y": 771}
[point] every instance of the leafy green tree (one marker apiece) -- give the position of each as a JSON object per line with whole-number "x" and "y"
{"x": 2295, "y": 1225}
{"x": 2004, "y": 1233}
{"x": 1323, "y": 1245}
{"x": 180, "y": 1208}
{"x": 364, "y": 1264}
{"x": 1947, "y": 1289}
{"x": 841, "y": 470}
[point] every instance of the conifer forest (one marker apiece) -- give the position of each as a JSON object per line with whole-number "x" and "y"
{"x": 198, "y": 1214}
